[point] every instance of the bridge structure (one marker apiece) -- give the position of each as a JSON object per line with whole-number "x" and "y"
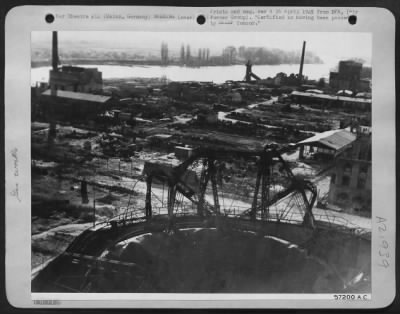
{"x": 279, "y": 205}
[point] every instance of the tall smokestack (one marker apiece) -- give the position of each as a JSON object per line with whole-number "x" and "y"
{"x": 302, "y": 62}
{"x": 54, "y": 59}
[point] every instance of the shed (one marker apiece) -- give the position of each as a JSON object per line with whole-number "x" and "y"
{"x": 326, "y": 144}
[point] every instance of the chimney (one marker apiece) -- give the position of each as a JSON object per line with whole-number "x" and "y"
{"x": 302, "y": 62}
{"x": 54, "y": 63}
{"x": 54, "y": 59}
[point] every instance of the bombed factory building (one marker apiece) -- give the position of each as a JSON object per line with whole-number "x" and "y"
{"x": 76, "y": 79}
{"x": 72, "y": 78}
{"x": 351, "y": 184}
{"x": 72, "y": 93}
{"x": 349, "y": 77}
{"x": 67, "y": 105}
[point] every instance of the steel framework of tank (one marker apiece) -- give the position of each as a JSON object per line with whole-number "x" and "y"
{"x": 267, "y": 158}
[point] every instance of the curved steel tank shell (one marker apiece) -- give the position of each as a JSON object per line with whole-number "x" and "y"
{"x": 209, "y": 256}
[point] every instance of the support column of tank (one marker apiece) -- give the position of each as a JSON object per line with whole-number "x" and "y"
{"x": 148, "y": 197}
{"x": 171, "y": 200}
{"x": 214, "y": 185}
{"x": 171, "y": 205}
{"x": 308, "y": 219}
{"x": 265, "y": 178}
{"x": 205, "y": 176}
{"x": 253, "y": 213}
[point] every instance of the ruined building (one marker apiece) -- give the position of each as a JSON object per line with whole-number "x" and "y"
{"x": 71, "y": 91}
{"x": 72, "y": 78}
{"x": 348, "y": 77}
{"x": 70, "y": 106}
{"x": 76, "y": 79}
{"x": 350, "y": 187}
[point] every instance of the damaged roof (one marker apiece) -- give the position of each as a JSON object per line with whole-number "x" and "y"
{"x": 78, "y": 96}
{"x": 334, "y": 139}
{"x": 331, "y": 97}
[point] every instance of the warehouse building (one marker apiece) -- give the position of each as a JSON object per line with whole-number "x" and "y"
{"x": 327, "y": 101}
{"x": 67, "y": 105}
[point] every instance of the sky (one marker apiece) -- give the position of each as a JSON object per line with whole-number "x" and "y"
{"x": 328, "y": 46}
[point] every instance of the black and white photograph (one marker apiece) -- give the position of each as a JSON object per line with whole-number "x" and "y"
{"x": 212, "y": 162}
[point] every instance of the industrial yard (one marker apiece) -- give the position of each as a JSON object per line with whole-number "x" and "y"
{"x": 154, "y": 179}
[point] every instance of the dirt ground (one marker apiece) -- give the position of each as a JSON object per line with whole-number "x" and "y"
{"x": 58, "y": 214}
{"x": 113, "y": 187}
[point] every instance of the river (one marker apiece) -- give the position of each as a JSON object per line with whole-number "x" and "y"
{"x": 217, "y": 74}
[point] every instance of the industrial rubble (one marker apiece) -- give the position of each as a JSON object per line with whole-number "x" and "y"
{"x": 96, "y": 143}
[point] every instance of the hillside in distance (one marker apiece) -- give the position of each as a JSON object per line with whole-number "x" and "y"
{"x": 81, "y": 52}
